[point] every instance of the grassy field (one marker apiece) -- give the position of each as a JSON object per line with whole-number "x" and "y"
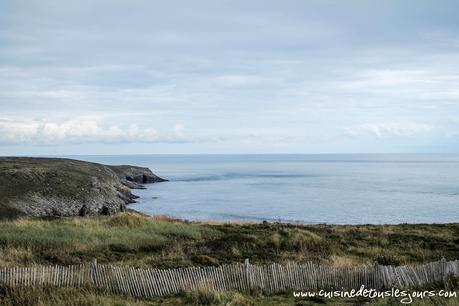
{"x": 138, "y": 240}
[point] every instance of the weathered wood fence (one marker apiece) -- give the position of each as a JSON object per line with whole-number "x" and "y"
{"x": 269, "y": 278}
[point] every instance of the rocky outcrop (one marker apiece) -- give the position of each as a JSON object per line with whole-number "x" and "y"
{"x": 66, "y": 187}
{"x": 134, "y": 177}
{"x": 135, "y": 174}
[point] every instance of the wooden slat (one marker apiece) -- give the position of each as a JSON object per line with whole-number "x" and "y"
{"x": 243, "y": 277}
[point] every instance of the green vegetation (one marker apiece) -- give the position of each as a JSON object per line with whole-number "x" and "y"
{"x": 47, "y": 296}
{"x": 138, "y": 240}
{"x": 126, "y": 238}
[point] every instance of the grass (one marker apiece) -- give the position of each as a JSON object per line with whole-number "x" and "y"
{"x": 47, "y": 296}
{"x": 125, "y": 238}
{"x": 139, "y": 240}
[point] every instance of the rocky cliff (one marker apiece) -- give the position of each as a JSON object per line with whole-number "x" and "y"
{"x": 66, "y": 187}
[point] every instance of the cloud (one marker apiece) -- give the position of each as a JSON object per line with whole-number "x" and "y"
{"x": 386, "y": 130}
{"x": 237, "y": 75}
{"x": 71, "y": 132}
{"x": 239, "y": 81}
{"x": 180, "y": 130}
{"x": 404, "y": 83}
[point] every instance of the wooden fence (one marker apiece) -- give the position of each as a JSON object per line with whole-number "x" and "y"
{"x": 269, "y": 278}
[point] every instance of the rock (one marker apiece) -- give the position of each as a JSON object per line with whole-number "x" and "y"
{"x": 66, "y": 187}
{"x": 136, "y": 175}
{"x": 84, "y": 210}
{"x": 106, "y": 211}
{"x": 132, "y": 185}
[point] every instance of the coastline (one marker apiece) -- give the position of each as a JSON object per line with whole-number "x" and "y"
{"x": 46, "y": 187}
{"x": 134, "y": 239}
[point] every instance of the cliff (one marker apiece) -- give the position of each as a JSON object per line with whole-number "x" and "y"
{"x": 65, "y": 187}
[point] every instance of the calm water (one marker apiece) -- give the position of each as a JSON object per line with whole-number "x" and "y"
{"x": 344, "y": 189}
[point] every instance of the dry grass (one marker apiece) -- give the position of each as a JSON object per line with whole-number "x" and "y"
{"x": 138, "y": 240}
{"x": 47, "y": 296}
{"x": 162, "y": 241}
{"x": 341, "y": 261}
{"x": 10, "y": 257}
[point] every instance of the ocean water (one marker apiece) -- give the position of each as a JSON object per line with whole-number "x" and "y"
{"x": 340, "y": 189}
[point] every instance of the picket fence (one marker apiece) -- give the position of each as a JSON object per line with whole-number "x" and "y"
{"x": 270, "y": 278}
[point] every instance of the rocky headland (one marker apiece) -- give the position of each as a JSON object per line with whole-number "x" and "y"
{"x": 42, "y": 187}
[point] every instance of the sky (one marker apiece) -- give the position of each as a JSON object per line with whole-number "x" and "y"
{"x": 162, "y": 77}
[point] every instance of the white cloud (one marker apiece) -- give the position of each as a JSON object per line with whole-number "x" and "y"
{"x": 400, "y": 83}
{"x": 236, "y": 81}
{"x": 17, "y": 132}
{"x": 392, "y": 129}
{"x": 78, "y": 130}
{"x": 388, "y": 78}
{"x": 180, "y": 130}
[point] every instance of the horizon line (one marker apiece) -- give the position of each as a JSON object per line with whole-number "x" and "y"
{"x": 240, "y": 154}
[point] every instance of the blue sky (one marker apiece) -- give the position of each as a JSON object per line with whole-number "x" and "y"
{"x": 120, "y": 77}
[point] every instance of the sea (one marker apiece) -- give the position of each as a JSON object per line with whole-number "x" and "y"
{"x": 306, "y": 189}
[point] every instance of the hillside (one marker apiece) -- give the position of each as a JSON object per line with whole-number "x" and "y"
{"x": 64, "y": 187}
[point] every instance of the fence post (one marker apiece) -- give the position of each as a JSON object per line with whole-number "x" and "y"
{"x": 443, "y": 270}
{"x": 375, "y": 275}
{"x": 93, "y": 274}
{"x": 247, "y": 273}
{"x": 379, "y": 277}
